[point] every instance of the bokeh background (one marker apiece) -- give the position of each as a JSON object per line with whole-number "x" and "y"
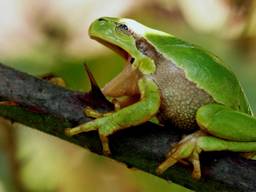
{"x": 50, "y": 36}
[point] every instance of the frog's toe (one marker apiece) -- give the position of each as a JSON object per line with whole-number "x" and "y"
{"x": 186, "y": 149}
{"x": 68, "y": 132}
{"x": 86, "y": 127}
{"x": 90, "y": 112}
{"x": 105, "y": 145}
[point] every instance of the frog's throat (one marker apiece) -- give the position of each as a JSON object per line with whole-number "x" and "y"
{"x": 124, "y": 84}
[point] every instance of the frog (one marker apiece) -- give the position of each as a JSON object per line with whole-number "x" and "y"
{"x": 178, "y": 83}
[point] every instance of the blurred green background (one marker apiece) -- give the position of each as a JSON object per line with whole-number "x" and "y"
{"x": 45, "y": 36}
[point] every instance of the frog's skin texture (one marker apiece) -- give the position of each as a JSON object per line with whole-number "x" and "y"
{"x": 180, "y": 103}
{"x": 177, "y": 82}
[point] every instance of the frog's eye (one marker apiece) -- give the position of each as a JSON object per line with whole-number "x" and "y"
{"x": 123, "y": 28}
{"x": 101, "y": 19}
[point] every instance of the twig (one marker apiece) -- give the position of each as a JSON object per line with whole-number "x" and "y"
{"x": 50, "y": 108}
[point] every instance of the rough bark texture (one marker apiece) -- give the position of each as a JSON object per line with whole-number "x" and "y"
{"x": 50, "y": 108}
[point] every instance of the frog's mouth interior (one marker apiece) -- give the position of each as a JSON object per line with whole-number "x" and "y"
{"x": 116, "y": 49}
{"x": 125, "y": 83}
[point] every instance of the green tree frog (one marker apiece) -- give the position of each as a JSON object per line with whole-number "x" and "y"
{"x": 177, "y": 82}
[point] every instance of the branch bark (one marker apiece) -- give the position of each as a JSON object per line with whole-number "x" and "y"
{"x": 50, "y": 109}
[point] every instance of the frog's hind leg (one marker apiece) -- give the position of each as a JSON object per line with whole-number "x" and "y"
{"x": 192, "y": 145}
{"x": 222, "y": 129}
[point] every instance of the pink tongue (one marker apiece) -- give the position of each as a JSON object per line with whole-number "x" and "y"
{"x": 124, "y": 84}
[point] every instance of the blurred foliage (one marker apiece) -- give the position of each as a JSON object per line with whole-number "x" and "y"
{"x": 41, "y": 37}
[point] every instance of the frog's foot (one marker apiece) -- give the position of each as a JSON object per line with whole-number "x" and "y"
{"x": 104, "y": 127}
{"x": 123, "y": 118}
{"x": 188, "y": 149}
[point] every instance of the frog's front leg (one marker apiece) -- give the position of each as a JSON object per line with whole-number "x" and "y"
{"x": 132, "y": 115}
{"x": 222, "y": 129}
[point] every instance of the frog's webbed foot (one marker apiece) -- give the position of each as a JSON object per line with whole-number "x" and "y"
{"x": 187, "y": 149}
{"x": 104, "y": 127}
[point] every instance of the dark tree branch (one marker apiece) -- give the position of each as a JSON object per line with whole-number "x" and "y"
{"x": 50, "y": 108}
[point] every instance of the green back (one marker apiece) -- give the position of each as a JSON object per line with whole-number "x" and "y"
{"x": 202, "y": 68}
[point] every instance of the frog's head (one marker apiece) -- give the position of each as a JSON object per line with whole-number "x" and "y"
{"x": 118, "y": 34}
{"x": 122, "y": 36}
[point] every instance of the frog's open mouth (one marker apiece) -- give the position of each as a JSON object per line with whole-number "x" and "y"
{"x": 125, "y": 83}
{"x": 116, "y": 49}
